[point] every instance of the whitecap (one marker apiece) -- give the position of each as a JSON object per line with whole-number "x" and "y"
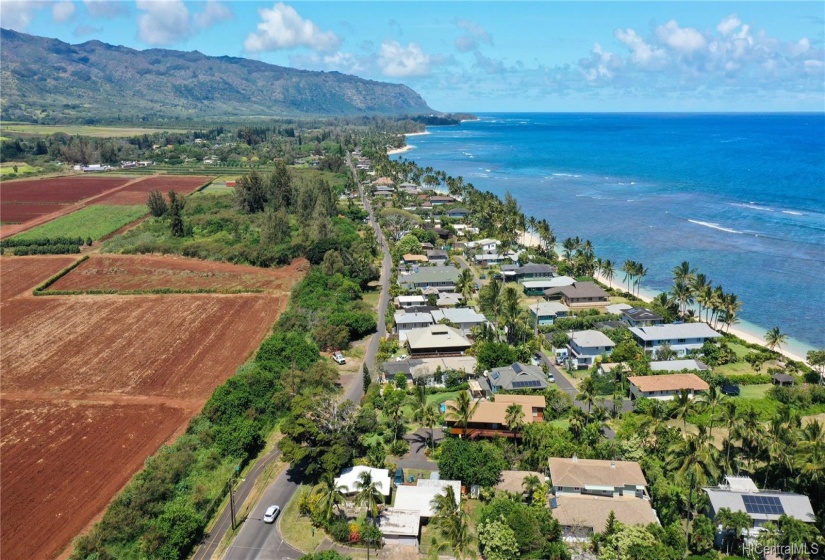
{"x": 792, "y": 212}
{"x": 714, "y": 226}
{"x": 752, "y": 206}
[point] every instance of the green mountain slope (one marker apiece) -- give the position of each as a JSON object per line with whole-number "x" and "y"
{"x": 52, "y": 81}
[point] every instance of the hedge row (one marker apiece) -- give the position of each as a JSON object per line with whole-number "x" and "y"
{"x": 60, "y": 274}
{"x": 46, "y": 250}
{"x": 14, "y": 242}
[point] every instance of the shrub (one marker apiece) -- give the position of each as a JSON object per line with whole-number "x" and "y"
{"x": 339, "y": 530}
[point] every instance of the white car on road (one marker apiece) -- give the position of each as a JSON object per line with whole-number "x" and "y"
{"x": 271, "y": 514}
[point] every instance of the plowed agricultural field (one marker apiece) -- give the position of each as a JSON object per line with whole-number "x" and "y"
{"x": 92, "y": 385}
{"x": 147, "y": 272}
{"x": 19, "y": 275}
{"x": 64, "y": 190}
{"x": 138, "y": 192}
{"x": 63, "y": 461}
{"x": 19, "y": 213}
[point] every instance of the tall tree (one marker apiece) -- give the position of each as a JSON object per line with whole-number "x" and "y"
{"x": 330, "y": 496}
{"x": 462, "y": 410}
{"x": 369, "y": 494}
{"x": 176, "y": 204}
{"x": 775, "y": 338}
{"x": 514, "y": 419}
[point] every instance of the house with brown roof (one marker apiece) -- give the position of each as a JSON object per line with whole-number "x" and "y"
{"x": 489, "y": 418}
{"x": 579, "y": 294}
{"x": 665, "y": 387}
{"x": 585, "y": 491}
{"x": 513, "y": 481}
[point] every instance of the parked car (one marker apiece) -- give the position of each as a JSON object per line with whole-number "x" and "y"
{"x": 550, "y": 377}
{"x": 339, "y": 358}
{"x": 731, "y": 390}
{"x": 271, "y": 514}
{"x": 536, "y": 359}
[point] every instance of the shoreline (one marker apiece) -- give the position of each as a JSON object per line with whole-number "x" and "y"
{"x": 406, "y": 147}
{"x": 734, "y": 330}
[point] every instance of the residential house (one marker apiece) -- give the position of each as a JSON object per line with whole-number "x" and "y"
{"x": 681, "y": 337}
{"x": 465, "y": 318}
{"x": 489, "y": 418}
{"x": 530, "y": 271}
{"x": 410, "y": 258}
{"x": 740, "y": 494}
{"x": 515, "y": 377}
{"x": 405, "y": 321}
{"x": 401, "y": 524}
{"x": 580, "y": 294}
{"x": 513, "y": 481}
{"x": 665, "y": 387}
{"x": 783, "y": 379}
{"x": 404, "y": 302}
{"x": 443, "y": 278}
{"x": 538, "y": 287}
{"x": 585, "y": 346}
{"x": 449, "y": 299}
{"x": 383, "y": 182}
{"x": 491, "y": 259}
{"x": 546, "y": 312}
{"x": 437, "y": 257}
{"x": 486, "y": 245}
{"x": 617, "y": 308}
{"x": 436, "y": 340}
{"x": 587, "y": 490}
{"x": 677, "y": 365}
{"x": 400, "y": 527}
{"x": 458, "y": 213}
{"x": 638, "y": 317}
{"x": 437, "y": 200}
{"x": 350, "y": 477}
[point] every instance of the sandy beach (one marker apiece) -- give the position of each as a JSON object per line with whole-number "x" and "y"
{"x": 406, "y": 148}
{"x": 744, "y": 335}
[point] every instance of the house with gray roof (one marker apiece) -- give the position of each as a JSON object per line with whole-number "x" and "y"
{"x": 437, "y": 340}
{"x": 406, "y": 321}
{"x": 585, "y": 346}
{"x": 639, "y": 317}
{"x": 458, "y": 213}
{"x": 530, "y": 271}
{"x": 580, "y": 294}
{"x": 538, "y": 287}
{"x": 681, "y": 337}
{"x": 546, "y": 312}
{"x": 437, "y": 257}
{"x": 515, "y": 377}
{"x": 740, "y": 493}
{"x": 442, "y": 278}
{"x": 464, "y": 317}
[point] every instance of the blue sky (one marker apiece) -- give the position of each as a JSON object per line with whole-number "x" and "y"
{"x": 493, "y": 56}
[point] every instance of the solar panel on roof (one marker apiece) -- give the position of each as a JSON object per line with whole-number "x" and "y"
{"x": 770, "y": 505}
{"x": 495, "y": 375}
{"x": 517, "y": 368}
{"x": 522, "y": 384}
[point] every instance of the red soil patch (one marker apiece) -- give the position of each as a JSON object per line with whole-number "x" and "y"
{"x": 137, "y": 272}
{"x": 63, "y": 461}
{"x": 22, "y": 274}
{"x": 179, "y": 346}
{"x": 138, "y": 192}
{"x": 19, "y": 213}
{"x": 58, "y": 190}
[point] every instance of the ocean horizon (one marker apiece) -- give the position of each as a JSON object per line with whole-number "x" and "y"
{"x": 741, "y": 196}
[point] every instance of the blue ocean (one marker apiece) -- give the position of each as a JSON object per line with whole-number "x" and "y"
{"x": 741, "y": 196}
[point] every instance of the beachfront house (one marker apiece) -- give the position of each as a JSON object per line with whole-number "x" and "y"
{"x": 740, "y": 494}
{"x": 546, "y": 312}
{"x": 538, "y": 287}
{"x": 640, "y": 317}
{"x": 681, "y": 337}
{"x": 436, "y": 340}
{"x": 665, "y": 387}
{"x": 585, "y": 491}
{"x": 579, "y": 294}
{"x": 489, "y": 418}
{"x": 530, "y": 271}
{"x": 442, "y": 278}
{"x": 438, "y": 200}
{"x": 585, "y": 346}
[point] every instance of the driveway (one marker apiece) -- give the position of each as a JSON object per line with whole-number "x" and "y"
{"x": 419, "y": 442}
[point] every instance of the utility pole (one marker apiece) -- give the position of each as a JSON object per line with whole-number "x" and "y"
{"x": 232, "y": 501}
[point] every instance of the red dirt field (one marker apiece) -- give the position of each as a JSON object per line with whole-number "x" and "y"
{"x": 138, "y": 192}
{"x": 136, "y": 272}
{"x": 19, "y": 213}
{"x": 58, "y": 190}
{"x": 19, "y": 275}
{"x": 171, "y": 345}
{"x": 63, "y": 461}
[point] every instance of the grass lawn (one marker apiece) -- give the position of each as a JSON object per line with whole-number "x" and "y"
{"x": 216, "y": 189}
{"x": 371, "y": 297}
{"x": 82, "y": 130}
{"x": 739, "y": 368}
{"x": 562, "y": 423}
{"x": 754, "y": 391}
{"x": 22, "y": 168}
{"x": 439, "y": 398}
{"x": 297, "y": 530}
{"x": 739, "y": 350}
{"x": 93, "y": 221}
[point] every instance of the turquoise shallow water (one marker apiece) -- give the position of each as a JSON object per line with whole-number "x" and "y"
{"x": 741, "y": 197}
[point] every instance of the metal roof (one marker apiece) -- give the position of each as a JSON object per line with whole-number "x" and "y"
{"x": 674, "y": 332}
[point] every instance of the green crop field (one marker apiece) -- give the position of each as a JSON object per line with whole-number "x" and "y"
{"x": 22, "y": 168}
{"x": 81, "y": 130}
{"x": 93, "y": 221}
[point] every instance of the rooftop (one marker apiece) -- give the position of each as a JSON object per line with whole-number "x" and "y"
{"x": 409, "y": 257}
{"x": 548, "y": 308}
{"x": 582, "y": 473}
{"x": 513, "y": 481}
{"x": 591, "y": 339}
{"x": 674, "y": 331}
{"x": 576, "y": 510}
{"x": 349, "y": 479}
{"x": 459, "y": 315}
{"x": 741, "y": 494}
{"x": 639, "y": 314}
{"x": 418, "y": 498}
{"x": 678, "y": 365}
{"x": 436, "y": 337}
{"x": 409, "y": 318}
{"x": 548, "y": 283}
{"x": 668, "y": 382}
{"x": 581, "y": 290}
{"x": 431, "y": 274}
{"x": 495, "y": 412}
{"x": 518, "y": 376}
{"x": 399, "y": 522}
{"x": 617, "y": 308}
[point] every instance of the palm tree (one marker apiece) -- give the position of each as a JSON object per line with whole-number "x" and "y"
{"x": 330, "y": 496}
{"x": 775, "y": 338}
{"x": 701, "y": 287}
{"x": 587, "y": 393}
{"x": 452, "y": 524}
{"x": 608, "y": 271}
{"x": 639, "y": 272}
{"x": 510, "y": 311}
{"x": 684, "y": 273}
{"x": 733, "y": 523}
{"x": 429, "y": 420}
{"x": 682, "y": 406}
{"x": 629, "y": 268}
{"x": 694, "y": 458}
{"x": 514, "y": 419}
{"x": 732, "y": 305}
{"x": 710, "y": 399}
{"x": 682, "y": 294}
{"x": 419, "y": 402}
{"x": 462, "y": 410}
{"x": 369, "y": 494}
{"x": 531, "y": 484}
{"x": 465, "y": 284}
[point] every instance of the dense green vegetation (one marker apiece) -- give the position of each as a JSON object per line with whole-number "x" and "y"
{"x": 94, "y": 222}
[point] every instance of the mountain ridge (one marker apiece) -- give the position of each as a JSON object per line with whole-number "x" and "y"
{"x": 47, "y": 80}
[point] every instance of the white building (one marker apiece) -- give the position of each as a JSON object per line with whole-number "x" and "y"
{"x": 681, "y": 337}
{"x": 586, "y": 346}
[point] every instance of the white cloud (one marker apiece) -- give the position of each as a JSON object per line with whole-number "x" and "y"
{"x": 686, "y": 40}
{"x": 214, "y": 13}
{"x": 19, "y": 15}
{"x": 475, "y": 35}
{"x": 63, "y": 11}
{"x": 165, "y": 22}
{"x": 397, "y": 61}
{"x": 641, "y": 53}
{"x": 283, "y": 28}
{"x": 602, "y": 65}
{"x": 105, "y": 8}
{"x": 728, "y": 24}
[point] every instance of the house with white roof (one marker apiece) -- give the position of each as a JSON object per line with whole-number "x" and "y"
{"x": 681, "y": 337}
{"x": 437, "y": 340}
{"x": 348, "y": 481}
{"x": 465, "y": 318}
{"x": 410, "y": 301}
{"x": 486, "y": 245}
{"x": 401, "y": 524}
{"x": 585, "y": 346}
{"x": 538, "y": 287}
{"x": 406, "y": 321}
{"x": 546, "y": 312}
{"x": 740, "y": 493}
